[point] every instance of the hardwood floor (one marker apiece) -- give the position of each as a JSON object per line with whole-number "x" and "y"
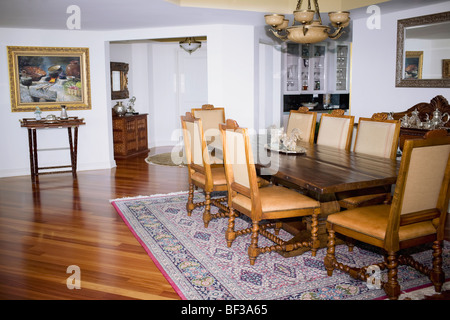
{"x": 61, "y": 222}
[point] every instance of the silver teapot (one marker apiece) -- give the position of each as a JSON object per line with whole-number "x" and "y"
{"x": 414, "y": 120}
{"x": 437, "y": 120}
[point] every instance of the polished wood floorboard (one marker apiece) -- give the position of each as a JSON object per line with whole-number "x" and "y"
{"x": 61, "y": 222}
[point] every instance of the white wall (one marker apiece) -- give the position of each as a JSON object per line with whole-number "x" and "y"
{"x": 373, "y": 67}
{"x": 231, "y": 84}
{"x": 94, "y": 151}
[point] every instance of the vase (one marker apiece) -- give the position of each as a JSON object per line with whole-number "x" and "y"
{"x": 73, "y": 69}
{"x": 120, "y": 109}
{"x": 63, "y": 115}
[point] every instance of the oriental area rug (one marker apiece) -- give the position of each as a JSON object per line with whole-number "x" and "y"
{"x": 200, "y": 266}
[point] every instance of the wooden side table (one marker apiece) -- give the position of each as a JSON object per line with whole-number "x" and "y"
{"x": 70, "y": 123}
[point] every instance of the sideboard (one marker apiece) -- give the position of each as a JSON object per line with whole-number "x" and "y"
{"x": 130, "y": 135}
{"x": 425, "y": 110}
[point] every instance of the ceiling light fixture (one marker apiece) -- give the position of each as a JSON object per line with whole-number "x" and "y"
{"x": 309, "y": 30}
{"x": 190, "y": 44}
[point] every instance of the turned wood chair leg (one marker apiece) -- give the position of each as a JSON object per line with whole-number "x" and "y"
{"x": 330, "y": 257}
{"x": 207, "y": 212}
{"x": 392, "y": 287}
{"x": 230, "y": 234}
{"x": 437, "y": 275}
{"x": 190, "y": 203}
{"x": 277, "y": 228}
{"x": 350, "y": 243}
{"x": 253, "y": 249}
{"x": 315, "y": 242}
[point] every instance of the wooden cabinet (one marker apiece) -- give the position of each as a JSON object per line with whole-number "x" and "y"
{"x": 130, "y": 135}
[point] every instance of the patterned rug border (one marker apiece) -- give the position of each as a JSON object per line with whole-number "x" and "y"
{"x": 407, "y": 292}
{"x": 143, "y": 244}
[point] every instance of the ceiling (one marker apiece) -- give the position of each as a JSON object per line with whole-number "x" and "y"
{"x": 130, "y": 14}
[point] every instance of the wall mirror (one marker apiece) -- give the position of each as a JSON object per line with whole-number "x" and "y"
{"x": 423, "y": 51}
{"x": 119, "y": 80}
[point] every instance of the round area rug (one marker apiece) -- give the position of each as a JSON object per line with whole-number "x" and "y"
{"x": 167, "y": 159}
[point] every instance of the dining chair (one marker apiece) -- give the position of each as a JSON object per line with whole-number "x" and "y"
{"x": 211, "y": 118}
{"x": 202, "y": 172}
{"x": 416, "y": 216}
{"x": 335, "y": 131}
{"x": 267, "y": 203}
{"x": 305, "y": 121}
{"x": 374, "y": 137}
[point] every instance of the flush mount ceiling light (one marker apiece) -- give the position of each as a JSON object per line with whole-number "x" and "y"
{"x": 190, "y": 44}
{"x": 309, "y": 30}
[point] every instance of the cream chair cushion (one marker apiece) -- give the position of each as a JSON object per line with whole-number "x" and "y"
{"x": 375, "y": 138}
{"x": 333, "y": 132}
{"x": 210, "y": 122}
{"x": 302, "y": 121}
{"x": 426, "y": 164}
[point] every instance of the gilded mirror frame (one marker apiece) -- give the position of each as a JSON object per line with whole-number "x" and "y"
{"x": 411, "y": 22}
{"x": 123, "y": 68}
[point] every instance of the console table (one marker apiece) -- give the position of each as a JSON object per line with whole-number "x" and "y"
{"x": 32, "y": 125}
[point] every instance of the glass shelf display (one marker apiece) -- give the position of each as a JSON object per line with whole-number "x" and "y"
{"x": 316, "y": 68}
{"x": 305, "y": 68}
{"x": 341, "y": 67}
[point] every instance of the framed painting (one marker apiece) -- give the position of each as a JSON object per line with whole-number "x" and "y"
{"x": 48, "y": 77}
{"x": 446, "y": 68}
{"x": 413, "y": 64}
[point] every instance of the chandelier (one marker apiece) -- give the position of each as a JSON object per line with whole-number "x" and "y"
{"x": 190, "y": 44}
{"x": 308, "y": 30}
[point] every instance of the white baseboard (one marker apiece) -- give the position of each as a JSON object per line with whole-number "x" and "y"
{"x": 80, "y": 167}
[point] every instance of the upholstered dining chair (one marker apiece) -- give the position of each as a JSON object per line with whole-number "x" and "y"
{"x": 269, "y": 203}
{"x": 335, "y": 131}
{"x": 305, "y": 121}
{"x": 374, "y": 137}
{"x": 211, "y": 118}
{"x": 416, "y": 216}
{"x": 202, "y": 173}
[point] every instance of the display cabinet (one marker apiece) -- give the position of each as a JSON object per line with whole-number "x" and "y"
{"x": 316, "y": 68}
{"x": 305, "y": 68}
{"x": 342, "y": 67}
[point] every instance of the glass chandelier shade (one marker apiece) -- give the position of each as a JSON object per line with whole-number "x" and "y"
{"x": 190, "y": 44}
{"x": 307, "y": 30}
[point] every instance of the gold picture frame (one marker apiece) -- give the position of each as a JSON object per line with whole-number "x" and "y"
{"x": 413, "y": 64}
{"x": 446, "y": 68}
{"x": 48, "y": 77}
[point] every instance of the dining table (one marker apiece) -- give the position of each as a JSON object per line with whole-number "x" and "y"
{"x": 320, "y": 172}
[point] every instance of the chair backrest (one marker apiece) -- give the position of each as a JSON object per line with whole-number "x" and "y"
{"x": 197, "y": 155}
{"x": 305, "y": 121}
{"x": 378, "y": 138}
{"x": 238, "y": 161}
{"x": 421, "y": 192}
{"x": 335, "y": 131}
{"x": 211, "y": 118}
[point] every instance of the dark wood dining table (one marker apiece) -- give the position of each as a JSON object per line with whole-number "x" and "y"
{"x": 320, "y": 173}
